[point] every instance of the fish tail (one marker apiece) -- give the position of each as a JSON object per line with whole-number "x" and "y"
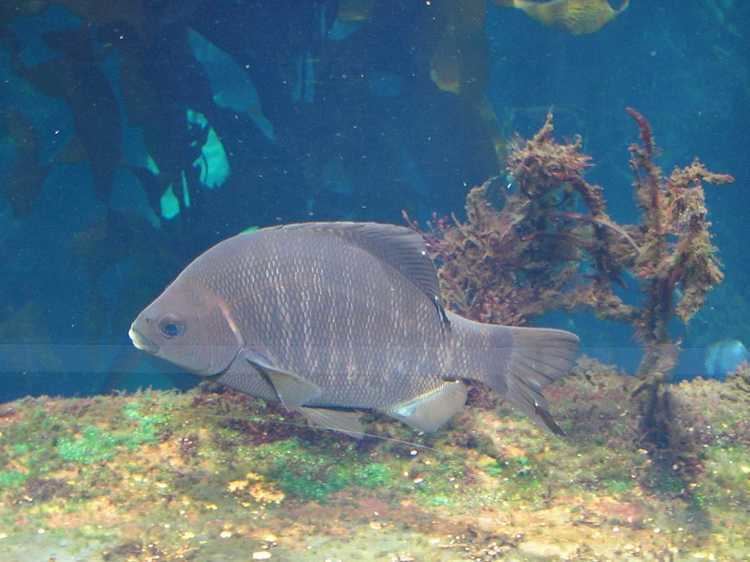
{"x": 538, "y": 357}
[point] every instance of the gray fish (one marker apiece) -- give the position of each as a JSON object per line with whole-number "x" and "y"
{"x": 332, "y": 318}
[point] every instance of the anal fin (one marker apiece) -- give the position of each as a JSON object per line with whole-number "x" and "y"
{"x": 344, "y": 421}
{"x": 430, "y": 411}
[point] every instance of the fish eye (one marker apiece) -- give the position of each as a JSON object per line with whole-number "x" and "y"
{"x": 171, "y": 327}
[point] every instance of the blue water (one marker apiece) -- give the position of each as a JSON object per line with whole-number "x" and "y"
{"x": 324, "y": 120}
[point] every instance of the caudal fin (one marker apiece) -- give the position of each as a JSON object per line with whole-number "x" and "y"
{"x": 538, "y": 356}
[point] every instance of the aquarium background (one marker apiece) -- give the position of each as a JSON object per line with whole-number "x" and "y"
{"x": 132, "y": 139}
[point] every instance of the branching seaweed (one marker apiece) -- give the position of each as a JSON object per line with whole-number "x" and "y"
{"x": 550, "y": 244}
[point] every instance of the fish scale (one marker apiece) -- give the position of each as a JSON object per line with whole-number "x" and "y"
{"x": 349, "y": 350}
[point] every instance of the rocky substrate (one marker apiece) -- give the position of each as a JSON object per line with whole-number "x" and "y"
{"x": 211, "y": 475}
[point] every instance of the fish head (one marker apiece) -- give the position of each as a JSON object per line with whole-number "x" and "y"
{"x": 191, "y": 326}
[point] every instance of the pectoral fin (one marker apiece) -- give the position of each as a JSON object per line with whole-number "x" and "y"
{"x": 338, "y": 420}
{"x": 430, "y": 411}
{"x": 292, "y": 390}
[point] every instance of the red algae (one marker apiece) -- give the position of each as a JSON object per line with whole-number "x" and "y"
{"x": 550, "y": 244}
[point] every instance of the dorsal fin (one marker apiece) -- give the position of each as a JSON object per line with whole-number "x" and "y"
{"x": 401, "y": 248}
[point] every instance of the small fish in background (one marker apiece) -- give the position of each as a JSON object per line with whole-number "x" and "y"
{"x": 723, "y": 358}
{"x": 459, "y": 65}
{"x": 579, "y": 17}
{"x": 332, "y": 318}
{"x": 460, "y": 56}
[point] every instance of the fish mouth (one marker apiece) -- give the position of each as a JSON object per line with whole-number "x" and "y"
{"x": 142, "y": 342}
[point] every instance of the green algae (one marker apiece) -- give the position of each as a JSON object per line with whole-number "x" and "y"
{"x": 11, "y": 479}
{"x": 523, "y": 476}
{"x": 95, "y": 445}
{"x": 438, "y": 483}
{"x": 438, "y": 500}
{"x": 371, "y": 476}
{"x": 619, "y": 486}
{"x": 20, "y": 448}
{"x": 730, "y": 471}
{"x": 311, "y": 473}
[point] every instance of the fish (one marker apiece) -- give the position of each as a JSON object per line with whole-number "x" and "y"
{"x": 723, "y": 357}
{"x": 460, "y": 54}
{"x": 459, "y": 65}
{"x": 335, "y": 318}
{"x": 578, "y": 17}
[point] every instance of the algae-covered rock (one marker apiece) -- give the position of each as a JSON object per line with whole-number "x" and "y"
{"x": 211, "y": 475}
